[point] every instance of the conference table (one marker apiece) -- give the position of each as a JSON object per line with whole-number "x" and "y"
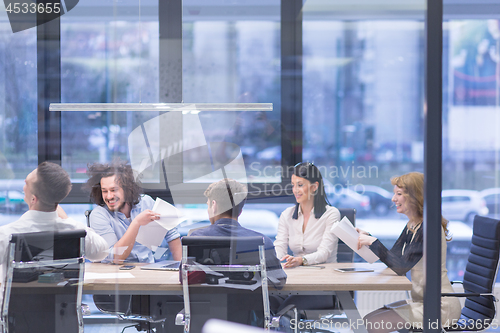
{"x": 321, "y": 279}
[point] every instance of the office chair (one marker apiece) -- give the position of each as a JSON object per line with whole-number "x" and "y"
{"x": 344, "y": 254}
{"x": 479, "y": 278}
{"x": 230, "y": 255}
{"x": 132, "y": 308}
{"x": 41, "y": 252}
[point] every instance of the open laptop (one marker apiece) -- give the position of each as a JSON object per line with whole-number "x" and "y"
{"x": 165, "y": 265}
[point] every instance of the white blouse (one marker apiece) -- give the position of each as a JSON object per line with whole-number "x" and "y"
{"x": 317, "y": 243}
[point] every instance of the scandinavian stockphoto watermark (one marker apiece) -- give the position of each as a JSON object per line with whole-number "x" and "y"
{"x": 328, "y": 172}
{"x": 26, "y": 14}
{"x": 340, "y": 175}
{"x": 332, "y": 324}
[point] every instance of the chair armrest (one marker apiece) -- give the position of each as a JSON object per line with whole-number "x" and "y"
{"x": 86, "y": 309}
{"x": 467, "y": 295}
{"x": 179, "y": 318}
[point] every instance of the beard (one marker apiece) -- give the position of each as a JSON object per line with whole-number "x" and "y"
{"x": 117, "y": 208}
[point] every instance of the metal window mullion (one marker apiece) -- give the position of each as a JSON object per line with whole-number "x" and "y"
{"x": 49, "y": 89}
{"x": 170, "y": 85}
{"x": 433, "y": 166}
{"x": 291, "y": 78}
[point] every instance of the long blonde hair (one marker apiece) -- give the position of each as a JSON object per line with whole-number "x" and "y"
{"x": 413, "y": 190}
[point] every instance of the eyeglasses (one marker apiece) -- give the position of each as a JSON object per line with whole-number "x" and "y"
{"x": 306, "y": 170}
{"x": 304, "y": 164}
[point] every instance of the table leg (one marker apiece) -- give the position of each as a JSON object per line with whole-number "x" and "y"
{"x": 351, "y": 311}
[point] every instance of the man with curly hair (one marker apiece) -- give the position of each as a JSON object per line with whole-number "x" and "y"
{"x": 122, "y": 210}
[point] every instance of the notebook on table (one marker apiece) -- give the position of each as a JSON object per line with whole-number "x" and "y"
{"x": 165, "y": 265}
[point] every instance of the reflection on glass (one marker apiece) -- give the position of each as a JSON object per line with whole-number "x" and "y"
{"x": 363, "y": 97}
{"x": 471, "y": 118}
{"x": 109, "y": 58}
{"x": 18, "y": 116}
{"x": 471, "y": 125}
{"x": 235, "y": 59}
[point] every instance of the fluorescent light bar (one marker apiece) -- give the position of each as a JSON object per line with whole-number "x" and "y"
{"x": 183, "y": 107}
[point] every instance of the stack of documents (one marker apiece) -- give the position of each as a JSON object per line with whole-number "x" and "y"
{"x": 153, "y": 233}
{"x": 348, "y": 234}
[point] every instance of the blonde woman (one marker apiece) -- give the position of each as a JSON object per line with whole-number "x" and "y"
{"x": 406, "y": 255}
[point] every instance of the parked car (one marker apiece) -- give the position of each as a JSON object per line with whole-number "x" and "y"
{"x": 338, "y": 196}
{"x": 492, "y": 198}
{"x": 261, "y": 220}
{"x": 462, "y": 205}
{"x": 12, "y": 202}
{"x": 380, "y": 199}
{"x": 342, "y": 197}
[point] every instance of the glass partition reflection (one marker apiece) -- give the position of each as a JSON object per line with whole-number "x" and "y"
{"x": 109, "y": 57}
{"x": 18, "y": 116}
{"x": 363, "y": 104}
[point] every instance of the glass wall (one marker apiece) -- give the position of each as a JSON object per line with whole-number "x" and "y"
{"x": 236, "y": 61}
{"x": 360, "y": 105}
{"x": 471, "y": 122}
{"x": 362, "y": 108}
{"x": 18, "y": 116}
{"x": 108, "y": 57}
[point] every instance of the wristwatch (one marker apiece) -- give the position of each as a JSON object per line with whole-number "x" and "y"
{"x": 304, "y": 261}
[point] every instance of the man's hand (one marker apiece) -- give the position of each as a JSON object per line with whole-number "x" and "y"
{"x": 126, "y": 243}
{"x": 146, "y": 217}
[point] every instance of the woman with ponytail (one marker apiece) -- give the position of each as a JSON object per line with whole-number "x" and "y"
{"x": 306, "y": 227}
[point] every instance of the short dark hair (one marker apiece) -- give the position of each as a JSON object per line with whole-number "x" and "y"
{"x": 124, "y": 177}
{"x": 230, "y": 196}
{"x": 52, "y": 185}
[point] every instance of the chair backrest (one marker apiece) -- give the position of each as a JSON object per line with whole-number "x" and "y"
{"x": 220, "y": 250}
{"x": 48, "y": 245}
{"x": 45, "y": 251}
{"x": 235, "y": 256}
{"x": 480, "y": 272}
{"x": 87, "y": 216}
{"x": 344, "y": 252}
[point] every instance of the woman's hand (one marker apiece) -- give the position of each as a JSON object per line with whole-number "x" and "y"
{"x": 291, "y": 261}
{"x": 362, "y": 232}
{"x": 365, "y": 240}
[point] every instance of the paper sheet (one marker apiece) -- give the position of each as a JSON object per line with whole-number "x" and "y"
{"x": 170, "y": 216}
{"x": 153, "y": 233}
{"x": 346, "y": 232}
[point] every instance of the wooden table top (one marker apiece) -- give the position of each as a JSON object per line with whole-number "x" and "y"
{"x": 105, "y": 277}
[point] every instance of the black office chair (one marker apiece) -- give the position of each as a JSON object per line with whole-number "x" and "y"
{"x": 130, "y": 308}
{"x": 236, "y": 257}
{"x": 344, "y": 254}
{"x": 479, "y": 279}
{"x": 30, "y": 255}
